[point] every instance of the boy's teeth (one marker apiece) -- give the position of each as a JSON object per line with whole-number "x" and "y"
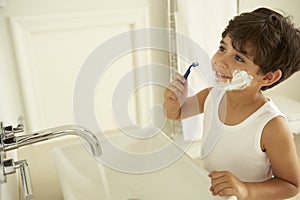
{"x": 222, "y": 75}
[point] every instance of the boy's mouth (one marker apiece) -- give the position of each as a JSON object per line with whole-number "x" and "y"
{"x": 222, "y": 76}
{"x": 239, "y": 80}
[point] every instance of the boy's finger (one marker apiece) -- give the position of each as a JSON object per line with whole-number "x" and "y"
{"x": 170, "y": 95}
{"x": 179, "y": 77}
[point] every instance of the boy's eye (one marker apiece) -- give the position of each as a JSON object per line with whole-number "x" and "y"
{"x": 239, "y": 58}
{"x": 222, "y": 49}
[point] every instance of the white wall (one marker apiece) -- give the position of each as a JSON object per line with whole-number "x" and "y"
{"x": 10, "y": 98}
{"x": 8, "y": 69}
{"x": 11, "y": 103}
{"x": 290, "y": 87}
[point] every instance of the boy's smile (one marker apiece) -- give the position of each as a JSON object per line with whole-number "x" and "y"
{"x": 222, "y": 76}
{"x": 227, "y": 60}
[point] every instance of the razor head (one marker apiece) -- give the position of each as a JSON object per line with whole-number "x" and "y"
{"x": 194, "y": 64}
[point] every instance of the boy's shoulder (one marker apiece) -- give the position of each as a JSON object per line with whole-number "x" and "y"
{"x": 276, "y": 132}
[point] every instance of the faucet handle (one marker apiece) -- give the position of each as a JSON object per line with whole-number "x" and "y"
{"x": 20, "y": 126}
{"x": 25, "y": 177}
{"x": 9, "y": 131}
{"x": 5, "y": 129}
{"x": 9, "y": 167}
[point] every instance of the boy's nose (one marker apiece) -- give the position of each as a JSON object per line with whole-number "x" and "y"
{"x": 223, "y": 62}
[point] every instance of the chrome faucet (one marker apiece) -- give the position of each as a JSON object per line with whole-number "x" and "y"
{"x": 10, "y": 141}
{"x": 13, "y": 142}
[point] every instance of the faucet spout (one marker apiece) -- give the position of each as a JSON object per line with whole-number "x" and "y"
{"x": 84, "y": 133}
{"x": 9, "y": 140}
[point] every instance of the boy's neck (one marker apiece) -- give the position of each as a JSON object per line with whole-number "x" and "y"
{"x": 244, "y": 98}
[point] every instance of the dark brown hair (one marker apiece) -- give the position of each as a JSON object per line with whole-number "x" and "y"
{"x": 272, "y": 38}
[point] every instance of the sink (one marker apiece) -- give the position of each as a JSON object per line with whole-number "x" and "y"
{"x": 82, "y": 176}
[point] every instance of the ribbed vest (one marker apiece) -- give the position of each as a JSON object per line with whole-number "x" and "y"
{"x": 236, "y": 148}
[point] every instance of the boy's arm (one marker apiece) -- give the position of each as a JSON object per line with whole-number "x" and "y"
{"x": 177, "y": 105}
{"x": 278, "y": 143}
{"x": 280, "y": 148}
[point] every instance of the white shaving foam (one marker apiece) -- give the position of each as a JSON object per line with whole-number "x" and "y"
{"x": 241, "y": 79}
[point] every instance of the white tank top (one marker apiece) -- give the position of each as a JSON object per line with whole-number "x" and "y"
{"x": 236, "y": 148}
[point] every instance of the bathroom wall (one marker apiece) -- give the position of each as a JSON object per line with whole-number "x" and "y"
{"x": 10, "y": 99}
{"x": 290, "y": 87}
{"x": 12, "y": 103}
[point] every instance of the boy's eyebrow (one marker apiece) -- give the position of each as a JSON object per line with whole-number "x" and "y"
{"x": 223, "y": 42}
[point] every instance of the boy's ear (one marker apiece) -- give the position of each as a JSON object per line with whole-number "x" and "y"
{"x": 271, "y": 77}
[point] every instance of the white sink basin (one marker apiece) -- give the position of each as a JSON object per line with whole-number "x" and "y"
{"x": 82, "y": 177}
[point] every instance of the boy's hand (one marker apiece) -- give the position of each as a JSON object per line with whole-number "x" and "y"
{"x": 177, "y": 91}
{"x": 224, "y": 183}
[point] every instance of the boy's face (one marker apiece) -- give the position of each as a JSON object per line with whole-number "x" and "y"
{"x": 227, "y": 59}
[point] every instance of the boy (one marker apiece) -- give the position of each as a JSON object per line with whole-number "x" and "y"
{"x": 252, "y": 154}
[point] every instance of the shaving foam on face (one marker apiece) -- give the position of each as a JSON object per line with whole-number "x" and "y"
{"x": 241, "y": 79}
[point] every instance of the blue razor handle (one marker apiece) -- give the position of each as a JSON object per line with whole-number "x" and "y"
{"x": 187, "y": 73}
